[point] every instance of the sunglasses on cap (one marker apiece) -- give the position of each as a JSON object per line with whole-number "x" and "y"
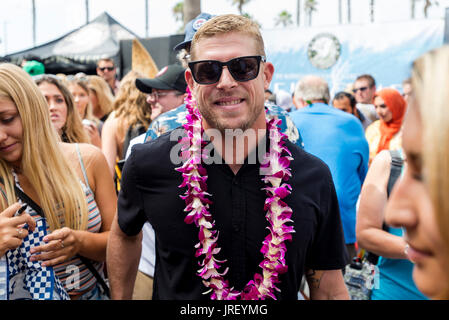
{"x": 242, "y": 69}
{"x": 108, "y": 68}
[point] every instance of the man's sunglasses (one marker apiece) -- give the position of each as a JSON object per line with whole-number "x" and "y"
{"x": 242, "y": 69}
{"x": 108, "y": 68}
{"x": 361, "y": 89}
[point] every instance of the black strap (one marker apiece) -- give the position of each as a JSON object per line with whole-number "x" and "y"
{"x": 25, "y": 198}
{"x": 396, "y": 169}
{"x": 22, "y": 195}
{"x": 395, "y": 172}
{"x": 97, "y": 275}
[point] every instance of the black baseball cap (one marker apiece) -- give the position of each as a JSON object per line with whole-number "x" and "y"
{"x": 170, "y": 77}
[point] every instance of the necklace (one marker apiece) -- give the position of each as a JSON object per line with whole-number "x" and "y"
{"x": 278, "y": 213}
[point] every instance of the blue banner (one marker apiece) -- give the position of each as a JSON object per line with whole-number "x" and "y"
{"x": 341, "y": 53}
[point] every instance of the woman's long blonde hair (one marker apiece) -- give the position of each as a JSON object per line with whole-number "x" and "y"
{"x": 430, "y": 82}
{"x": 73, "y": 129}
{"x": 83, "y": 84}
{"x": 43, "y": 163}
{"x": 103, "y": 92}
{"x": 130, "y": 105}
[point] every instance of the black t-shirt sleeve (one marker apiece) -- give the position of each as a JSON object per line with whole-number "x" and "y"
{"x": 328, "y": 249}
{"x": 130, "y": 209}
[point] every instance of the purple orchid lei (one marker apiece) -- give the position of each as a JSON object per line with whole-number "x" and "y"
{"x": 278, "y": 213}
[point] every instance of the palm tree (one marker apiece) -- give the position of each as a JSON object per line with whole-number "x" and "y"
{"x": 284, "y": 18}
{"x": 309, "y": 8}
{"x": 428, "y": 4}
{"x": 240, "y": 4}
{"x": 298, "y": 12}
{"x": 178, "y": 12}
{"x": 371, "y": 10}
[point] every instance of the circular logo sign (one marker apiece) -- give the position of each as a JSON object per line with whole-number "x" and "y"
{"x": 324, "y": 50}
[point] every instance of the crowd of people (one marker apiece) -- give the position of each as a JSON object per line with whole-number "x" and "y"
{"x": 202, "y": 179}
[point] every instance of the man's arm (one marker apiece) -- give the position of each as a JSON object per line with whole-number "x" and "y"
{"x": 326, "y": 285}
{"x": 122, "y": 258}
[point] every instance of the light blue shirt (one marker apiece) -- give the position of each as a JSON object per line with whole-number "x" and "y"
{"x": 337, "y": 138}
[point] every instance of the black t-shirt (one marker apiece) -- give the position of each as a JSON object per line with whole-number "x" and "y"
{"x": 150, "y": 192}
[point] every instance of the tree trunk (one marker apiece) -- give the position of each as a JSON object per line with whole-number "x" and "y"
{"x": 371, "y": 10}
{"x": 427, "y": 5}
{"x": 349, "y": 11}
{"x": 192, "y": 8}
{"x": 86, "y": 4}
{"x": 298, "y": 10}
{"x": 147, "y": 25}
{"x": 33, "y": 13}
{"x": 339, "y": 12}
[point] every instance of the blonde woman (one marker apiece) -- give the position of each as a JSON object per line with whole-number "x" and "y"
{"x": 63, "y": 114}
{"x": 419, "y": 202}
{"x": 68, "y": 181}
{"x": 100, "y": 96}
{"x": 79, "y": 89}
{"x": 130, "y": 111}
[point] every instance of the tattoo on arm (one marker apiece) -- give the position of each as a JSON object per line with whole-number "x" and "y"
{"x": 314, "y": 278}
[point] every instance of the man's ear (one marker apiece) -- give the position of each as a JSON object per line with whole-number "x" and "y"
{"x": 189, "y": 79}
{"x": 299, "y": 102}
{"x": 268, "y": 72}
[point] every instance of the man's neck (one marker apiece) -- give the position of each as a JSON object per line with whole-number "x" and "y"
{"x": 234, "y": 145}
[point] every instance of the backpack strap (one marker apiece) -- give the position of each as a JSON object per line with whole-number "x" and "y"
{"x": 25, "y": 198}
{"x": 396, "y": 168}
{"x": 395, "y": 172}
{"x": 83, "y": 169}
{"x": 132, "y": 132}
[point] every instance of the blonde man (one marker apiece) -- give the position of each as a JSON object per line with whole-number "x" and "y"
{"x": 227, "y": 76}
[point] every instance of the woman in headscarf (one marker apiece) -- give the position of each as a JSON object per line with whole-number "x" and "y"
{"x": 385, "y": 133}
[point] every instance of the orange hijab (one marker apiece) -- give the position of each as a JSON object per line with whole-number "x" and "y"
{"x": 397, "y": 105}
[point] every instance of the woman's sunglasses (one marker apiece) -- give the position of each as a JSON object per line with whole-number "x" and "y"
{"x": 242, "y": 69}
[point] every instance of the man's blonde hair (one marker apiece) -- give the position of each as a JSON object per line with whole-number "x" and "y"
{"x": 229, "y": 23}
{"x": 430, "y": 80}
{"x": 54, "y": 180}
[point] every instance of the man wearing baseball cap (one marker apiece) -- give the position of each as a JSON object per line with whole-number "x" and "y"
{"x": 166, "y": 91}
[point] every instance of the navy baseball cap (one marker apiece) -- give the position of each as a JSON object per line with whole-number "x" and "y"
{"x": 191, "y": 29}
{"x": 170, "y": 77}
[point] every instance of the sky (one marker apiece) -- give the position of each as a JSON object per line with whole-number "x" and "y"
{"x": 54, "y": 18}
